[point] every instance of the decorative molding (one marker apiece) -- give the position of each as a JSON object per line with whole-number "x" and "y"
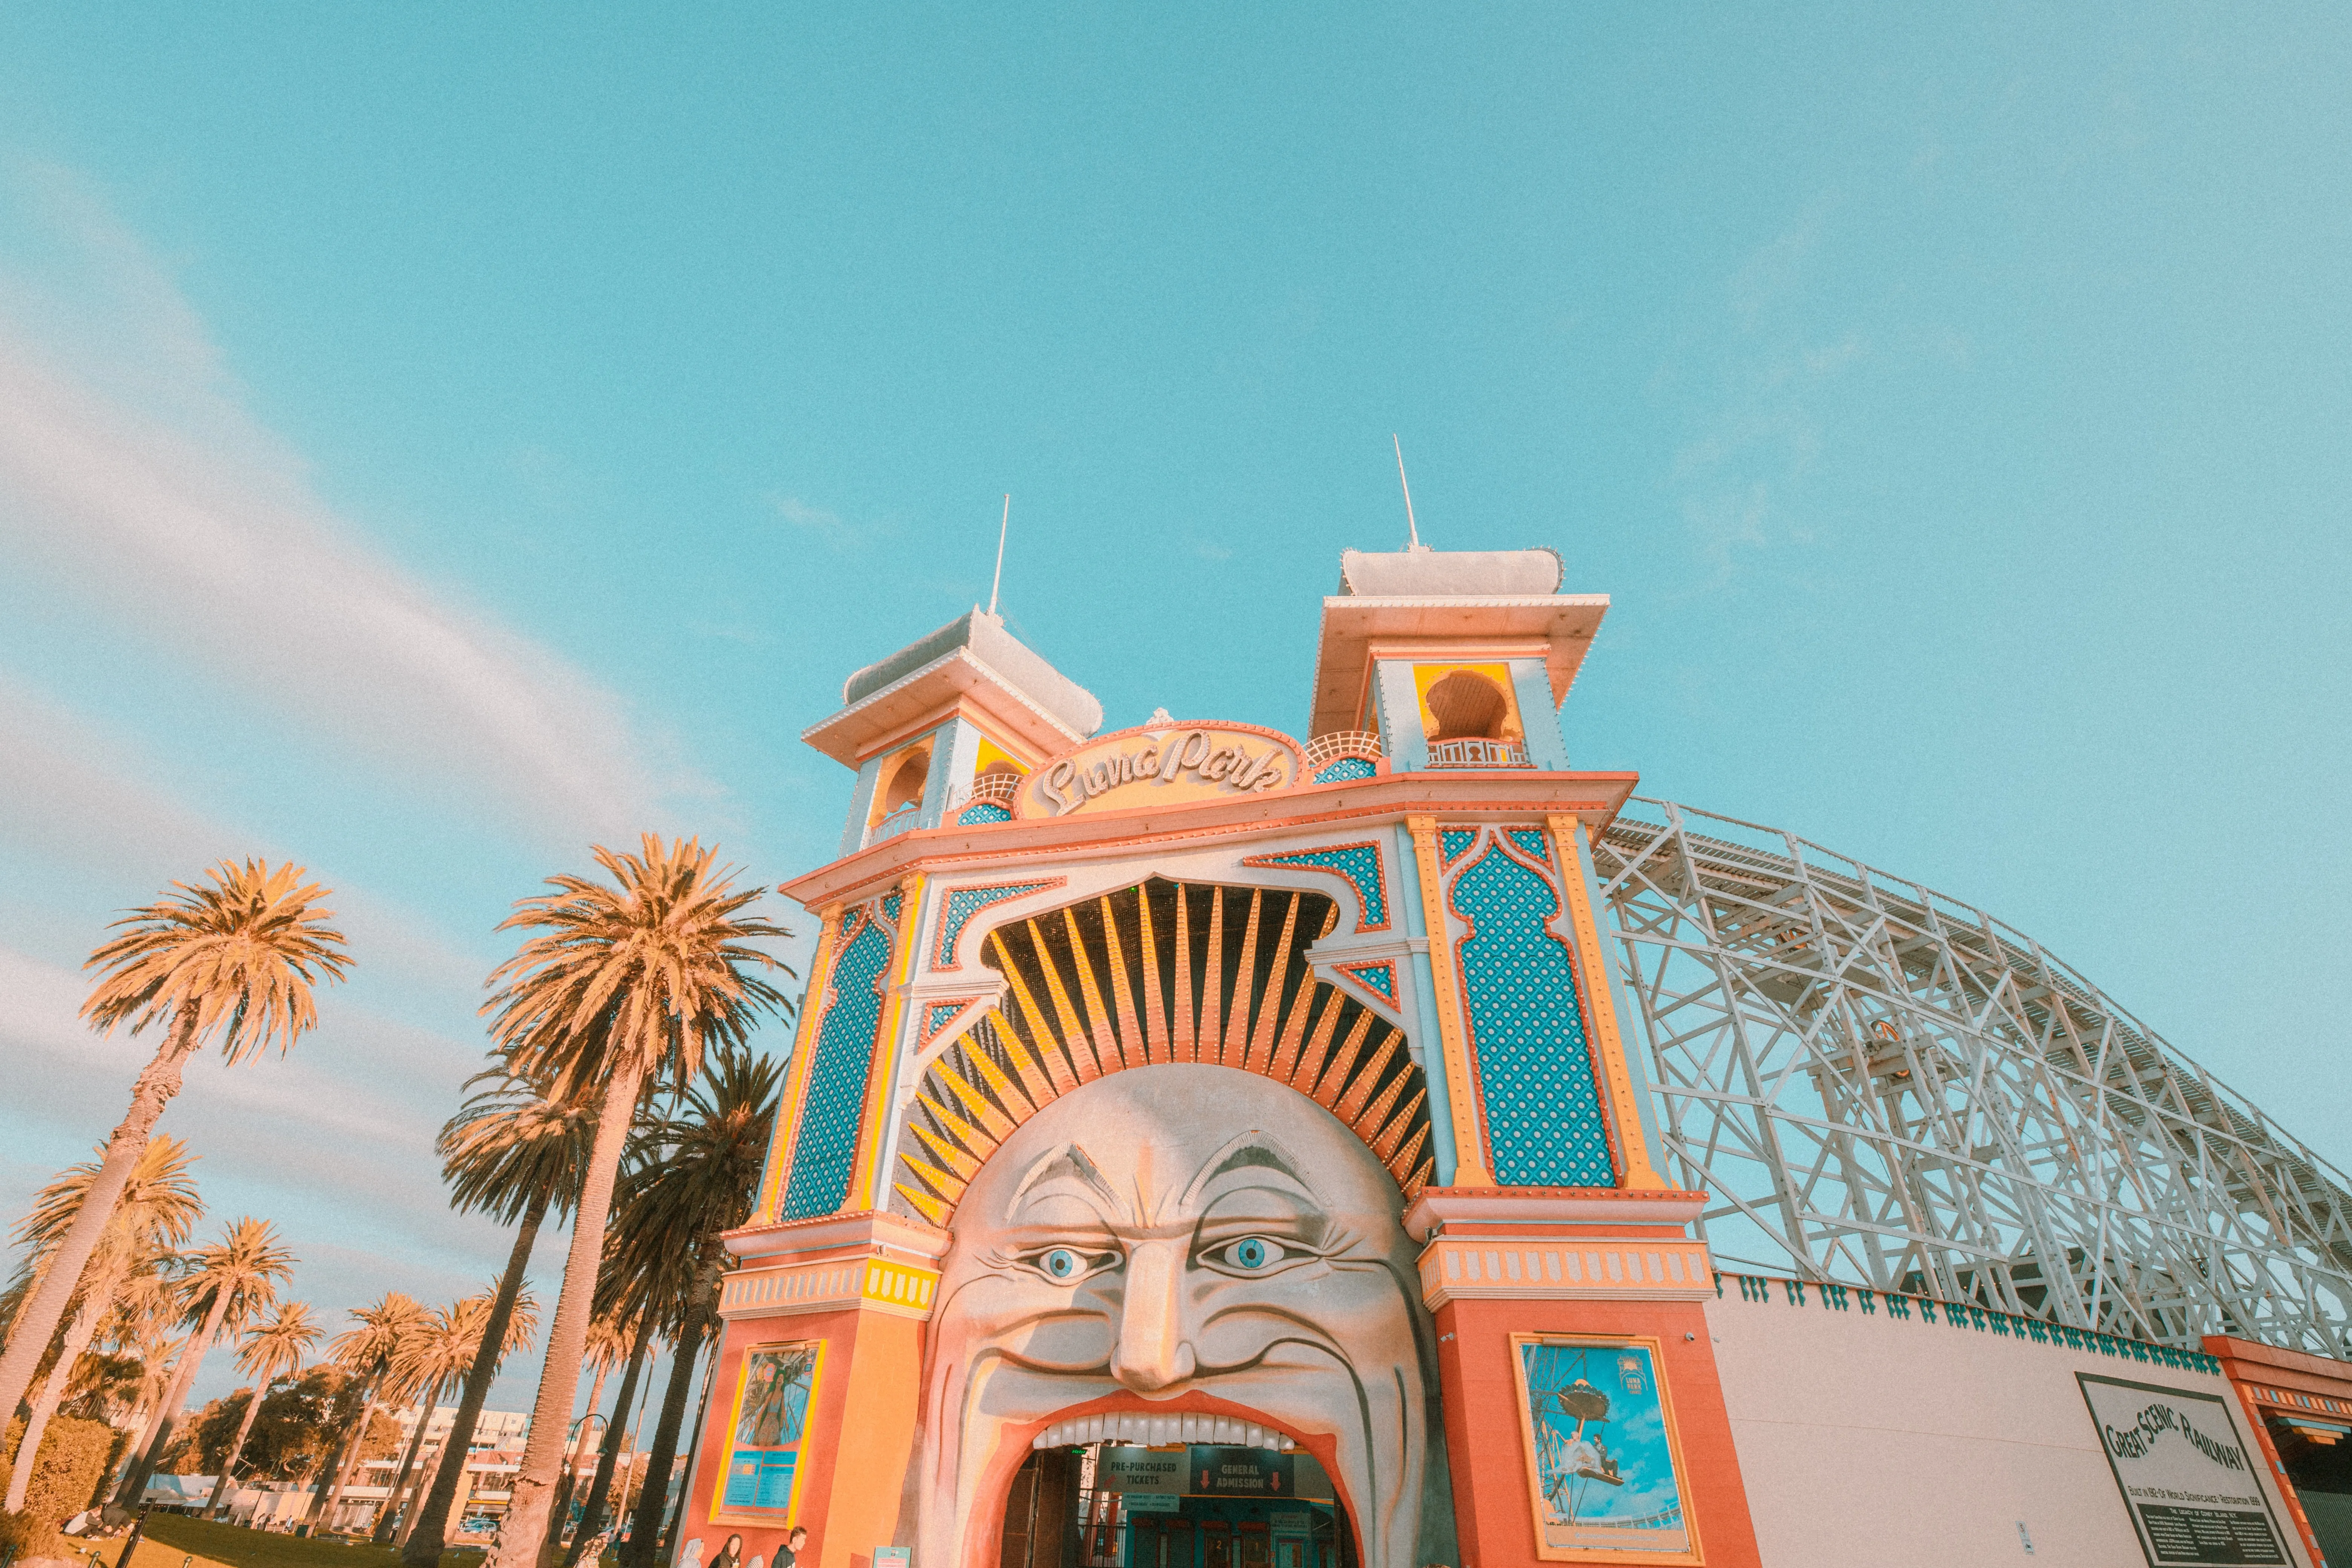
{"x": 1540, "y": 1087}
{"x": 870, "y": 1284}
{"x": 841, "y": 1057}
{"x": 1461, "y": 1091}
{"x": 1924, "y": 1310}
{"x": 1379, "y": 979}
{"x": 1564, "y": 1269}
{"x": 1548, "y": 1206}
{"x": 1359, "y": 865}
{"x": 961, "y": 904}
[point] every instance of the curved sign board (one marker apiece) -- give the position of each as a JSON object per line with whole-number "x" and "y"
{"x": 1161, "y": 764}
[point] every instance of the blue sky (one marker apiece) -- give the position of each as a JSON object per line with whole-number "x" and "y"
{"x": 432, "y": 441}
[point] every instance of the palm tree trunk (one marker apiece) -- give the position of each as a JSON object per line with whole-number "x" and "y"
{"x": 592, "y": 1512}
{"x": 431, "y": 1398}
{"x": 95, "y": 1301}
{"x": 525, "y": 1529}
{"x": 343, "y": 1461}
{"x": 219, "y": 1501}
{"x": 694, "y": 1444}
{"x": 431, "y": 1531}
{"x": 158, "y": 1082}
{"x": 134, "y": 1480}
{"x": 653, "y": 1498}
{"x": 570, "y": 1481}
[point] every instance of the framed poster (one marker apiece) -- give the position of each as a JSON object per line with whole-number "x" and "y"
{"x": 773, "y": 1393}
{"x": 2189, "y": 1480}
{"x": 1604, "y": 1461}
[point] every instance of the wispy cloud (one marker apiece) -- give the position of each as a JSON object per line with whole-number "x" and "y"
{"x": 826, "y": 526}
{"x": 131, "y": 472}
{"x": 69, "y": 794}
{"x": 1734, "y": 477}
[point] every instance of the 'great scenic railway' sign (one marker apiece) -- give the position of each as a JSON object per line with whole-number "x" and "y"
{"x": 1160, "y": 764}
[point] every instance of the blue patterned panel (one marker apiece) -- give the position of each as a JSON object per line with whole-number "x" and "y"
{"x": 844, "y": 1060}
{"x": 1359, "y": 863}
{"x": 1531, "y": 840}
{"x": 979, "y": 815}
{"x": 1380, "y": 977}
{"x": 1543, "y": 1106}
{"x": 1454, "y": 843}
{"x": 965, "y": 902}
{"x": 890, "y": 907}
{"x": 1346, "y": 768}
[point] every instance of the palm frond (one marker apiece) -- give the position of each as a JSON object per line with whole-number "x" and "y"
{"x": 238, "y": 952}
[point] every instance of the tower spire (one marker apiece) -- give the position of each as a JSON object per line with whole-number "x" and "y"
{"x": 1410, "y": 526}
{"x": 1002, "y": 523}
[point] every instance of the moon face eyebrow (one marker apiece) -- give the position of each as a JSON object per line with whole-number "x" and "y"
{"x": 1261, "y": 1155}
{"x": 1073, "y": 1162}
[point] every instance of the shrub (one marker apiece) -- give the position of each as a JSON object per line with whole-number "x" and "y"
{"x": 66, "y": 1474}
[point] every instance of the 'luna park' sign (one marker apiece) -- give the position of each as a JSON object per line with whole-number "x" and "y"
{"x": 1161, "y": 765}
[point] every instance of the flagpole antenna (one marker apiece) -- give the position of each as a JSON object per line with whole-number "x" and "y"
{"x": 1002, "y": 523}
{"x": 1410, "y": 526}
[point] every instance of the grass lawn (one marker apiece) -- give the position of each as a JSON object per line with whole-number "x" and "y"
{"x": 171, "y": 1536}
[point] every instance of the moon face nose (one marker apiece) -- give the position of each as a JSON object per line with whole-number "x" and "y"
{"x": 1154, "y": 1350}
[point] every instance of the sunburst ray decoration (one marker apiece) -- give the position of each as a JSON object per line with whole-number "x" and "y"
{"x": 1161, "y": 972}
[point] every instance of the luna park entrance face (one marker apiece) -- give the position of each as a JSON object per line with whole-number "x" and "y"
{"x": 1192, "y": 1506}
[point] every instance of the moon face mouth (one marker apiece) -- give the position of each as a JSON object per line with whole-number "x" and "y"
{"x": 1150, "y": 1428}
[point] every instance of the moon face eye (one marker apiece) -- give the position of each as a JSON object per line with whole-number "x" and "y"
{"x": 1255, "y": 1252}
{"x": 1061, "y": 1263}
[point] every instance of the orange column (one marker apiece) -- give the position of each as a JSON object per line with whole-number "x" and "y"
{"x": 1502, "y": 1268}
{"x": 860, "y": 1286}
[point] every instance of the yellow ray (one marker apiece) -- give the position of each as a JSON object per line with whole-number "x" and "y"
{"x": 1074, "y": 1030}
{"x": 1236, "y": 1049}
{"x": 1187, "y": 1042}
{"x": 1260, "y": 1051}
{"x": 1212, "y": 982}
{"x": 946, "y": 1154}
{"x": 929, "y": 1207}
{"x": 1155, "y": 1045}
{"x": 1090, "y": 998}
{"x": 1351, "y": 1104}
{"x": 1130, "y": 1032}
{"x": 1328, "y": 1089}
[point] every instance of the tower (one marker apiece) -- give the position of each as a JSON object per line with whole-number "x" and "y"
{"x": 1250, "y": 1117}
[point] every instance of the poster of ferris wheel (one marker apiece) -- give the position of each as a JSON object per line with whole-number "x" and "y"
{"x": 1603, "y": 1461}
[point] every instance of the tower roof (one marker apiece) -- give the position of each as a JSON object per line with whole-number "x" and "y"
{"x": 971, "y": 656}
{"x": 1436, "y": 597}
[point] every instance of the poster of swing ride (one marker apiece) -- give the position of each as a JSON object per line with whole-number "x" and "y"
{"x": 1602, "y": 1454}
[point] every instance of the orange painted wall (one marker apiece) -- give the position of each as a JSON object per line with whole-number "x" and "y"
{"x": 861, "y": 1437}
{"x": 1494, "y": 1514}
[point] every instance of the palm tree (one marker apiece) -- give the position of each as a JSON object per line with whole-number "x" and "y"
{"x": 696, "y": 1178}
{"x": 607, "y": 1348}
{"x": 625, "y": 985}
{"x": 373, "y": 1351}
{"x": 234, "y": 1280}
{"x": 515, "y": 1151}
{"x": 273, "y": 1350}
{"x": 232, "y": 958}
{"x": 592, "y": 1512}
{"x": 158, "y": 1207}
{"x": 437, "y": 1357}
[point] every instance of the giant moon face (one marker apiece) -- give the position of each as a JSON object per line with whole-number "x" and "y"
{"x": 1189, "y": 1237}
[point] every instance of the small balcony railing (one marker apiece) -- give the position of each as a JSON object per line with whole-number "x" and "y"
{"x": 897, "y": 822}
{"x": 1477, "y": 754}
{"x": 996, "y": 788}
{"x": 1338, "y": 747}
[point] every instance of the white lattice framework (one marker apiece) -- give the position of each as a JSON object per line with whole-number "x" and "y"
{"x": 1882, "y": 1086}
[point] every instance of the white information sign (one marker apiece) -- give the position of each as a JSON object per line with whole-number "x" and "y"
{"x": 2190, "y": 1482}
